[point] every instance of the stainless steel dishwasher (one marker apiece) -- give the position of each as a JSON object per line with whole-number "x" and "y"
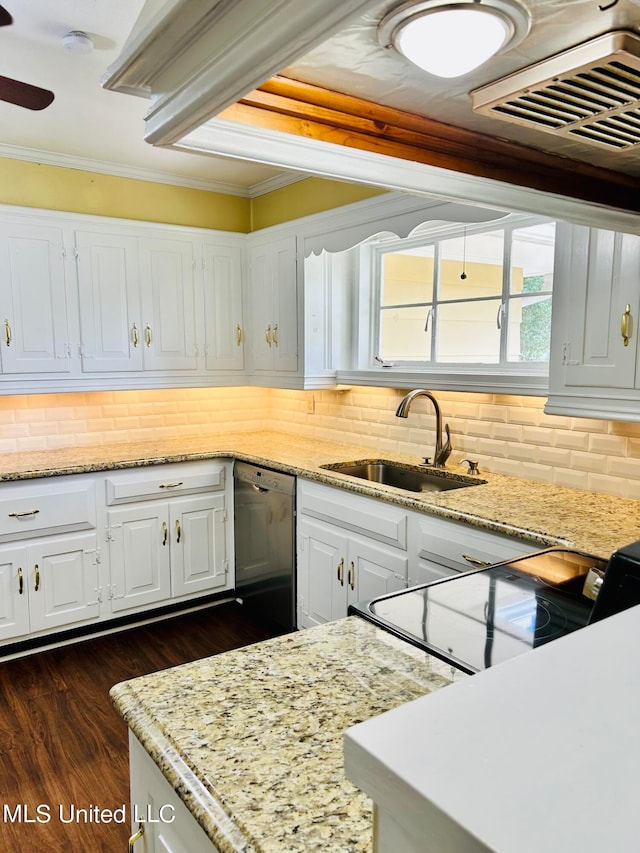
{"x": 264, "y": 502}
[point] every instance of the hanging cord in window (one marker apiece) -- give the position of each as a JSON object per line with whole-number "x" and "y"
{"x": 464, "y": 255}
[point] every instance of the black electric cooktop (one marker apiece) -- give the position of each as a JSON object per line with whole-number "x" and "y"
{"x": 478, "y": 619}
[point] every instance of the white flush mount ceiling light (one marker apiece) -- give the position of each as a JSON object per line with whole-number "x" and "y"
{"x": 77, "y": 42}
{"x": 449, "y": 38}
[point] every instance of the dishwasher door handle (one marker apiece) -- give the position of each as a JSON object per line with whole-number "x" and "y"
{"x": 258, "y": 488}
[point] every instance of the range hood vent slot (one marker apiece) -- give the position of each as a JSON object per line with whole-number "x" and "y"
{"x": 590, "y": 93}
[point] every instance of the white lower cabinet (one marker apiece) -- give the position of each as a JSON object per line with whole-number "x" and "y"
{"x": 164, "y": 550}
{"x": 167, "y": 825}
{"x": 168, "y": 550}
{"x": 353, "y": 548}
{"x": 49, "y": 584}
{"x": 350, "y": 548}
{"x": 336, "y": 570}
{"x": 166, "y": 535}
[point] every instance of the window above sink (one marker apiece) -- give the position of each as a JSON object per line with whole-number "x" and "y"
{"x": 460, "y": 307}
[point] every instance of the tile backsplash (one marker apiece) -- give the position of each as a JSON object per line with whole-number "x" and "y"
{"x": 506, "y": 434}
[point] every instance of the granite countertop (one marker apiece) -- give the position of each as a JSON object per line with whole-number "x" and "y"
{"x": 252, "y": 740}
{"x": 538, "y": 512}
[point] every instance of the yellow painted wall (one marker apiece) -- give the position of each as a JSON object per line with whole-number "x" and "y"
{"x": 30, "y": 184}
{"x": 78, "y": 191}
{"x": 311, "y": 195}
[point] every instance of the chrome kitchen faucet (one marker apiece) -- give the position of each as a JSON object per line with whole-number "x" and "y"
{"x": 442, "y": 451}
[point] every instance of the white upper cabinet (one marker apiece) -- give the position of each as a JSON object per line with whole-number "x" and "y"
{"x": 33, "y": 299}
{"x": 273, "y": 304}
{"x": 595, "y": 354}
{"x": 109, "y": 301}
{"x": 222, "y": 266}
{"x": 168, "y": 303}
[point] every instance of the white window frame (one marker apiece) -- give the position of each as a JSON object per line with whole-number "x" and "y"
{"x": 519, "y": 377}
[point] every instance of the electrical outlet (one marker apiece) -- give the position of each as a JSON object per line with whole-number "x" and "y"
{"x": 311, "y": 404}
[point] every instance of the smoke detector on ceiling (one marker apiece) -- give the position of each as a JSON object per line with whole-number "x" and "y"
{"x": 77, "y": 42}
{"x": 589, "y": 93}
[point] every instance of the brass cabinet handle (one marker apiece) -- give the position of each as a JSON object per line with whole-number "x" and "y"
{"x": 24, "y": 513}
{"x": 275, "y": 334}
{"x": 352, "y": 575}
{"x": 475, "y": 561}
{"x": 341, "y": 571}
{"x": 7, "y": 333}
{"x": 136, "y": 336}
{"x": 238, "y": 334}
{"x": 136, "y": 836}
{"x": 148, "y": 335}
{"x": 20, "y": 582}
{"x": 165, "y": 532}
{"x": 267, "y": 335}
{"x": 170, "y": 485}
{"x": 625, "y": 326}
{"x": 178, "y": 531}
{"x": 37, "y": 586}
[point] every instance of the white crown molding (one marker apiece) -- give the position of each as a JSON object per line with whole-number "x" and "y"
{"x": 329, "y": 160}
{"x": 53, "y": 158}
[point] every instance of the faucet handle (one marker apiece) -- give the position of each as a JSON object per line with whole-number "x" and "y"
{"x": 473, "y": 466}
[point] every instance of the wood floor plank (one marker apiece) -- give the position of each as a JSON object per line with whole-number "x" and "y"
{"x": 62, "y": 744}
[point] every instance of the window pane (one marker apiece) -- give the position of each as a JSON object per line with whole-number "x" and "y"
{"x": 468, "y": 332}
{"x": 532, "y": 258}
{"x": 407, "y": 276}
{"x": 471, "y": 266}
{"x": 403, "y": 336}
{"x": 529, "y": 332}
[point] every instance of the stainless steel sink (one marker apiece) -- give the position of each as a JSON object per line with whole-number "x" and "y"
{"x": 412, "y": 478}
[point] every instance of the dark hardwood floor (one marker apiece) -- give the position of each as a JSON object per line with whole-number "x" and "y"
{"x": 63, "y": 745}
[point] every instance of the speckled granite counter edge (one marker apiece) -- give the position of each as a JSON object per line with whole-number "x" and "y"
{"x": 202, "y": 805}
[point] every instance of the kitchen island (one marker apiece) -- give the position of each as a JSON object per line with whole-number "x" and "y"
{"x": 252, "y": 740}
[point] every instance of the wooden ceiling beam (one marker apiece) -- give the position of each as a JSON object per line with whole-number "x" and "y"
{"x": 302, "y": 109}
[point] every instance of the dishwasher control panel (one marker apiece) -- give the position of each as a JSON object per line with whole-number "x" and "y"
{"x": 264, "y": 478}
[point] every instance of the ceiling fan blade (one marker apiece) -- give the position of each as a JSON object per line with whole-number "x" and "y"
{"x": 5, "y": 17}
{"x": 24, "y": 94}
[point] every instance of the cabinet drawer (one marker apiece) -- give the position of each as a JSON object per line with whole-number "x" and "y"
{"x": 368, "y": 516}
{"x": 58, "y": 505}
{"x": 164, "y": 481}
{"x": 462, "y": 547}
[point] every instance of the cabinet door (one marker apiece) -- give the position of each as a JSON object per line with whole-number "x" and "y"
{"x": 198, "y": 544}
{"x": 374, "y": 570}
{"x": 274, "y": 306}
{"x": 33, "y": 298}
{"x": 139, "y": 555}
{"x": 62, "y": 579}
{"x": 168, "y": 304}
{"x": 284, "y": 332}
{"x": 14, "y": 599}
{"x": 322, "y": 573}
{"x": 109, "y": 301}
{"x": 222, "y": 271}
{"x": 599, "y": 274}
